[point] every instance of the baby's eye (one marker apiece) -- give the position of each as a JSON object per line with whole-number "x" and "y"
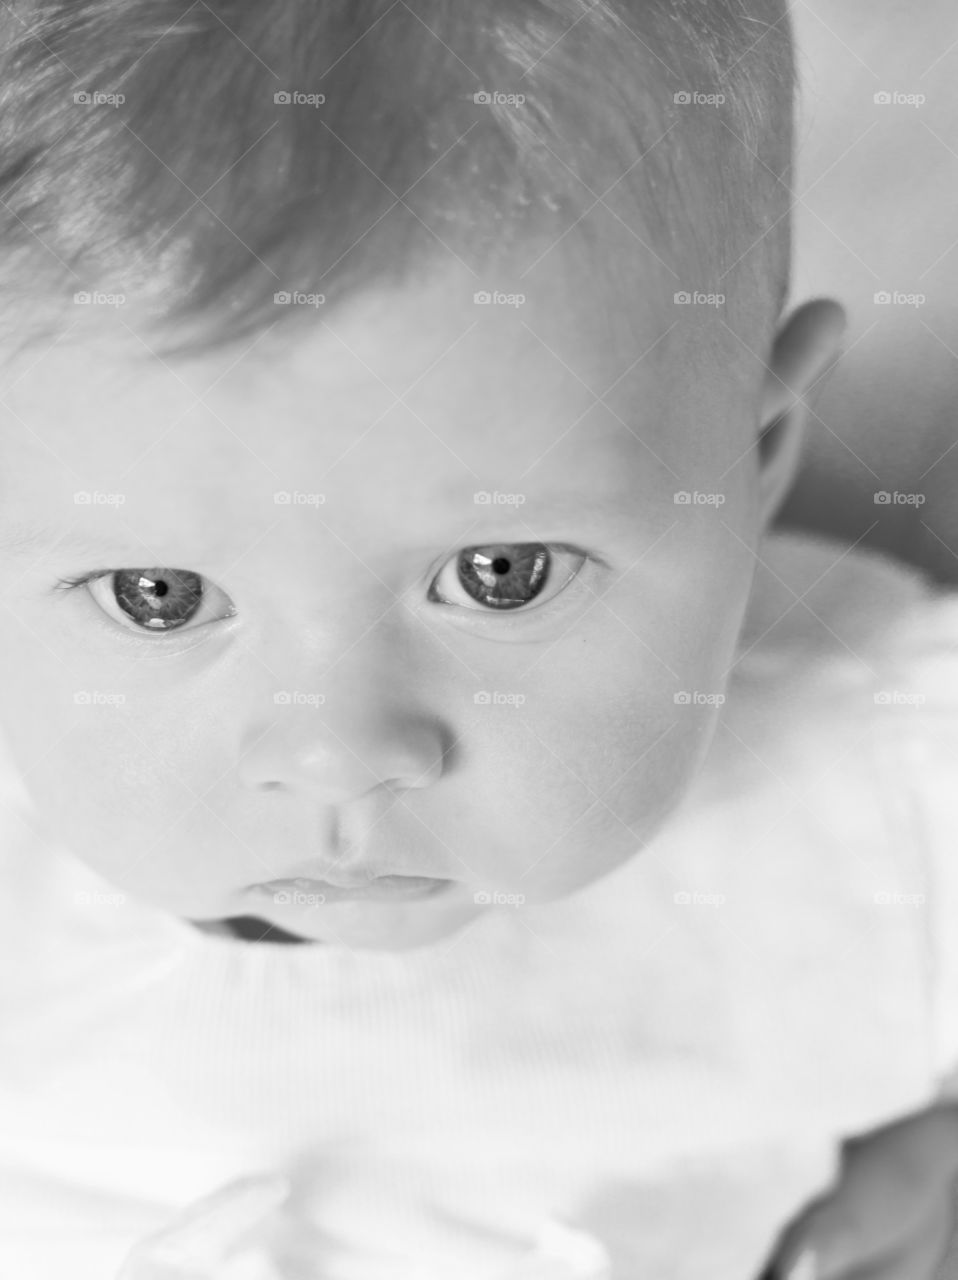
{"x": 153, "y": 599}
{"x": 503, "y": 576}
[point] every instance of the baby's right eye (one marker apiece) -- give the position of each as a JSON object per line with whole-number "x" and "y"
{"x": 153, "y": 600}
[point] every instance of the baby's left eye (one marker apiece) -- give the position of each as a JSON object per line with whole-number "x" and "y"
{"x": 504, "y": 576}
{"x": 154, "y": 600}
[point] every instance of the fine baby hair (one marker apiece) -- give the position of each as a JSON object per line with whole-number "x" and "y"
{"x": 203, "y": 159}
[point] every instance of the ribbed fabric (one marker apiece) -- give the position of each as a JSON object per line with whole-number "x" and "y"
{"x": 645, "y": 1079}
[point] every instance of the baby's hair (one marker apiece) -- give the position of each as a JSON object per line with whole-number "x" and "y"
{"x": 201, "y": 158}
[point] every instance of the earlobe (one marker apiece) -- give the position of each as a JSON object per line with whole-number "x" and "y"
{"x": 805, "y": 347}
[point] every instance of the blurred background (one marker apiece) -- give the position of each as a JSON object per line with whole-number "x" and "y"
{"x": 876, "y": 189}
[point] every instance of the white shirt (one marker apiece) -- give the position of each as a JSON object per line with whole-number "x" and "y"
{"x": 643, "y": 1081}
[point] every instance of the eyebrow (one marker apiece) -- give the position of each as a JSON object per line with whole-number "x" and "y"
{"x": 23, "y": 539}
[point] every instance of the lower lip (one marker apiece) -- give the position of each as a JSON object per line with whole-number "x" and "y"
{"x": 383, "y": 889}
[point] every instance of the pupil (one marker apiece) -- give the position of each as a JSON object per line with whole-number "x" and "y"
{"x": 501, "y": 564}
{"x": 160, "y": 588}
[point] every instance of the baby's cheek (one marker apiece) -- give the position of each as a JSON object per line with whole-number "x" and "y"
{"x": 113, "y": 787}
{"x": 612, "y": 769}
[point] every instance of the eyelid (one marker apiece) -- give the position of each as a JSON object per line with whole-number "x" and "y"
{"x": 175, "y": 640}
{"x": 524, "y": 611}
{"x": 139, "y": 635}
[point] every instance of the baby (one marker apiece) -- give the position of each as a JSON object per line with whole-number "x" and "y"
{"x": 431, "y": 785}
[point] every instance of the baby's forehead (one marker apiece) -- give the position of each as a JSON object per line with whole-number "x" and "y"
{"x": 399, "y": 400}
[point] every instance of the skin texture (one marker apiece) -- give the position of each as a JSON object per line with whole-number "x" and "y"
{"x": 199, "y": 783}
{"x": 892, "y": 1213}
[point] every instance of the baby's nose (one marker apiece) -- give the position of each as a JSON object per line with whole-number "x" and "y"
{"x": 336, "y": 758}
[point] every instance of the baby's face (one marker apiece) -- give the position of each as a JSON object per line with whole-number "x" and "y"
{"x": 435, "y": 611}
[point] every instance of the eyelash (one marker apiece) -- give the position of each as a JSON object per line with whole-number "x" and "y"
{"x": 172, "y": 641}
{"x": 513, "y": 617}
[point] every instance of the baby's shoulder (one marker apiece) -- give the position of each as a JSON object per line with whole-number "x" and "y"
{"x": 846, "y": 636}
{"x": 823, "y": 828}
{"x": 841, "y": 720}
{"x": 820, "y": 600}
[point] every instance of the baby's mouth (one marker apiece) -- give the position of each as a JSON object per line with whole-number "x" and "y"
{"x": 249, "y": 929}
{"x": 305, "y": 892}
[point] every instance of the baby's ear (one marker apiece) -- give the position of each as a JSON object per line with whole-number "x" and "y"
{"x": 806, "y": 346}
